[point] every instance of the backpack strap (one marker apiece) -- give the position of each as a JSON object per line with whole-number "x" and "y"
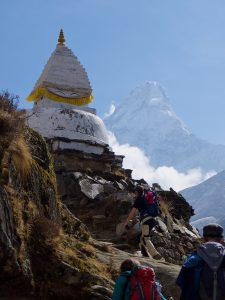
{"x": 153, "y": 292}
{"x": 214, "y": 285}
{"x": 141, "y": 292}
{"x": 156, "y": 202}
{"x": 139, "y": 288}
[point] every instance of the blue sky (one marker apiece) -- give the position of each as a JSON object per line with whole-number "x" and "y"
{"x": 123, "y": 43}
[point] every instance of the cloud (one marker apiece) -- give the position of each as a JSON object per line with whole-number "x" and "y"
{"x": 111, "y": 110}
{"x": 167, "y": 177}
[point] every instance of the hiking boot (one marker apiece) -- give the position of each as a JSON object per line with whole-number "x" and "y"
{"x": 157, "y": 256}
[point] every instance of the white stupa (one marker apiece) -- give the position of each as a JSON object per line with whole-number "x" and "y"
{"x": 61, "y": 97}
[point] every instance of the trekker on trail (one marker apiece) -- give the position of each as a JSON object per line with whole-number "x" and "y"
{"x": 147, "y": 220}
{"x": 202, "y": 277}
{"x": 137, "y": 282}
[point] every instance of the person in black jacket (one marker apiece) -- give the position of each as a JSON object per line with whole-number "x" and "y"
{"x": 147, "y": 223}
{"x": 202, "y": 276}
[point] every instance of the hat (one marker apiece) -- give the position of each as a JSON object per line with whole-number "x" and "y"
{"x": 213, "y": 230}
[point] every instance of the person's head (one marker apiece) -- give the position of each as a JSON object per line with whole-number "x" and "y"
{"x": 138, "y": 190}
{"x": 213, "y": 232}
{"x": 128, "y": 265}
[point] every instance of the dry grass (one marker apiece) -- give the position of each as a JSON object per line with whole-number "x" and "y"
{"x": 7, "y": 123}
{"x": 20, "y": 228}
{"x": 44, "y": 229}
{"x": 8, "y": 130}
{"x": 119, "y": 173}
{"x": 21, "y": 156}
{"x": 81, "y": 255}
{"x": 165, "y": 206}
{"x": 32, "y": 209}
{"x": 11, "y": 121}
{"x": 112, "y": 269}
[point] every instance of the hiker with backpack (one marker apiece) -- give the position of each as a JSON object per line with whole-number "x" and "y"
{"x": 148, "y": 207}
{"x": 202, "y": 277}
{"x": 137, "y": 282}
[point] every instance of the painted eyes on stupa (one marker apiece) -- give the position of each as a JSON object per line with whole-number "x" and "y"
{"x": 63, "y": 93}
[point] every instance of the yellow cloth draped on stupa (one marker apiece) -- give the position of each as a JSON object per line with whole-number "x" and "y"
{"x": 63, "y": 79}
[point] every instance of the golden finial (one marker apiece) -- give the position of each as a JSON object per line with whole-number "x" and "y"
{"x": 61, "y": 39}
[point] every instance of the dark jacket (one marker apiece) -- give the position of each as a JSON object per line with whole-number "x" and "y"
{"x": 146, "y": 207}
{"x": 189, "y": 278}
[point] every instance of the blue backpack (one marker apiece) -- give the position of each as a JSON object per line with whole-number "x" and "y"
{"x": 153, "y": 206}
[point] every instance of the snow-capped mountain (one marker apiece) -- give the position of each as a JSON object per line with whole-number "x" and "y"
{"x": 146, "y": 119}
{"x": 208, "y": 201}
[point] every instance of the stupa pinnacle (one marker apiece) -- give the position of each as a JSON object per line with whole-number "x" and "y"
{"x": 61, "y": 39}
{"x": 63, "y": 79}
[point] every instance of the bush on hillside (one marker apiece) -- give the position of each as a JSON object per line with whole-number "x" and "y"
{"x": 8, "y": 102}
{"x": 11, "y": 121}
{"x": 10, "y": 117}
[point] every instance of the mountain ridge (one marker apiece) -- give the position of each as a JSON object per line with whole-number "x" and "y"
{"x": 147, "y": 120}
{"x": 207, "y": 199}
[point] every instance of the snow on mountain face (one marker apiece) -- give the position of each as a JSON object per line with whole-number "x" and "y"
{"x": 146, "y": 119}
{"x": 147, "y": 108}
{"x": 208, "y": 200}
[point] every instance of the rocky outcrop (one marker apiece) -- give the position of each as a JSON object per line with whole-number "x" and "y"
{"x": 45, "y": 251}
{"x": 97, "y": 157}
{"x": 24, "y": 196}
{"x": 103, "y": 203}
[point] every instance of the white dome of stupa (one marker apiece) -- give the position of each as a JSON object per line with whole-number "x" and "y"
{"x": 73, "y": 124}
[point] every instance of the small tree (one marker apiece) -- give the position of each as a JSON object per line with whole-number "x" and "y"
{"x": 8, "y": 102}
{"x": 11, "y": 121}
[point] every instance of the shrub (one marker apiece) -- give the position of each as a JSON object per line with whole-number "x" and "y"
{"x": 11, "y": 121}
{"x": 44, "y": 229}
{"x": 8, "y": 102}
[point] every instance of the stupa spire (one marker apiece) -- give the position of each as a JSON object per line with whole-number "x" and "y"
{"x": 61, "y": 39}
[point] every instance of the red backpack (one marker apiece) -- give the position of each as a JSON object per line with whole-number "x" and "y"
{"x": 143, "y": 284}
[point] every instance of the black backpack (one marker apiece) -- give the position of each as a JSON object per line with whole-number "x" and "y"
{"x": 212, "y": 282}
